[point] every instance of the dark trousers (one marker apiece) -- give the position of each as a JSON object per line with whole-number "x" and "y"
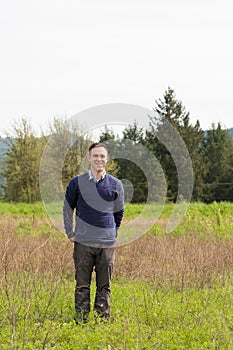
{"x": 87, "y": 259}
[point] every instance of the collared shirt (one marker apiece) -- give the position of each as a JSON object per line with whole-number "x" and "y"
{"x": 92, "y": 178}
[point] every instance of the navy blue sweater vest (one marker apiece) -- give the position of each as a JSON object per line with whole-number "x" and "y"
{"x": 99, "y": 209}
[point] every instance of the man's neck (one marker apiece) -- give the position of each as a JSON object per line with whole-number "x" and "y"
{"x": 97, "y": 174}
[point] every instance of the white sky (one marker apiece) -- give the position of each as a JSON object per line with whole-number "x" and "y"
{"x": 61, "y": 57}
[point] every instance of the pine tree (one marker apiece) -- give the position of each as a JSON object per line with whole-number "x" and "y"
{"x": 219, "y": 160}
{"x": 109, "y": 138}
{"x": 167, "y": 131}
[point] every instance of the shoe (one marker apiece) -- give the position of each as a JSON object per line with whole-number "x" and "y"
{"x": 80, "y": 319}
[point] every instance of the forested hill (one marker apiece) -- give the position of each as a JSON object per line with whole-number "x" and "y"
{"x": 3, "y": 145}
{"x": 231, "y": 132}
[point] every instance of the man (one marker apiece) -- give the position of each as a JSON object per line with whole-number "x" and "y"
{"x": 98, "y": 201}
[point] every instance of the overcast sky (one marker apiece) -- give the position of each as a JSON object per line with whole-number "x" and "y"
{"x": 61, "y": 57}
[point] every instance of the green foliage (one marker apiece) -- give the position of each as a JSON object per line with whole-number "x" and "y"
{"x": 23, "y": 228}
{"x": 23, "y": 209}
{"x": 63, "y": 158}
{"x": 203, "y": 219}
{"x": 106, "y": 135}
{"x": 129, "y": 169}
{"x": 26, "y": 167}
{"x": 21, "y": 165}
{"x": 38, "y": 314}
{"x": 171, "y": 111}
{"x": 219, "y": 155}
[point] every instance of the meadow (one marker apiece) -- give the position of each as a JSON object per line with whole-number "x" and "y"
{"x": 169, "y": 290}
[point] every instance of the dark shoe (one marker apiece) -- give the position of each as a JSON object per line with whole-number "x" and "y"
{"x": 80, "y": 318}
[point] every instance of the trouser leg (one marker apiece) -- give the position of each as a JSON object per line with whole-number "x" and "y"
{"x": 104, "y": 261}
{"x": 84, "y": 261}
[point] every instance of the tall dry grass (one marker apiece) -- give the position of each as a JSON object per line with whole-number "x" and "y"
{"x": 168, "y": 261}
{"x": 182, "y": 261}
{"x": 46, "y": 253}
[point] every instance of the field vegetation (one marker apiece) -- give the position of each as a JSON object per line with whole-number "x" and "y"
{"x": 169, "y": 291}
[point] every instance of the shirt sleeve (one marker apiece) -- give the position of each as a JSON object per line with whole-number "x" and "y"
{"x": 119, "y": 205}
{"x": 70, "y": 203}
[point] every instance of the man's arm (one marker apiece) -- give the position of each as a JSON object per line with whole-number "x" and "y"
{"x": 119, "y": 205}
{"x": 70, "y": 202}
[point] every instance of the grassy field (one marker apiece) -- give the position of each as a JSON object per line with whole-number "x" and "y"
{"x": 169, "y": 291}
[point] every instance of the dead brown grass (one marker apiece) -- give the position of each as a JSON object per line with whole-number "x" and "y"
{"x": 167, "y": 261}
{"x": 176, "y": 261}
{"x": 48, "y": 253}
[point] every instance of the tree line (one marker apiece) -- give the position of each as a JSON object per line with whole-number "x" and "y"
{"x": 210, "y": 152}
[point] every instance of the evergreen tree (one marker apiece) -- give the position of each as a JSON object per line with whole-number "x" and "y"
{"x": 106, "y": 135}
{"x": 140, "y": 168}
{"x": 162, "y": 140}
{"x": 193, "y": 137}
{"x": 109, "y": 138}
{"x": 129, "y": 168}
{"x": 134, "y": 133}
{"x": 219, "y": 160}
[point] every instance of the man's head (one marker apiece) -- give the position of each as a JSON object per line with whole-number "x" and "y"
{"x": 98, "y": 157}
{"x": 97, "y": 144}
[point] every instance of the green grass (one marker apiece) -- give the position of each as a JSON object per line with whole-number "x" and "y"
{"x": 143, "y": 317}
{"x": 224, "y": 209}
{"x": 215, "y": 219}
{"x": 23, "y": 209}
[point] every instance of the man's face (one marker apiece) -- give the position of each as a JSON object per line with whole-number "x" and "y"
{"x": 98, "y": 158}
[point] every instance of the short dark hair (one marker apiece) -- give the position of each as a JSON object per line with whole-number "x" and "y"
{"x": 97, "y": 144}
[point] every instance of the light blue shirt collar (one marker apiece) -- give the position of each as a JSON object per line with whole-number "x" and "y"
{"x": 92, "y": 178}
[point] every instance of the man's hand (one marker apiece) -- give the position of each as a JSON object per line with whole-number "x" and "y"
{"x": 71, "y": 239}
